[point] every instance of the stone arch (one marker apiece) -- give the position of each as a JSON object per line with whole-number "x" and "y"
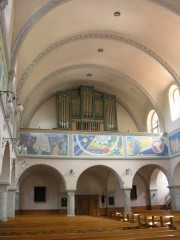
{"x": 157, "y": 192}
{"x": 103, "y": 182}
{"x": 41, "y": 176}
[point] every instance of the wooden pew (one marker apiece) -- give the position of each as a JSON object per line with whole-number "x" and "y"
{"x": 80, "y": 227}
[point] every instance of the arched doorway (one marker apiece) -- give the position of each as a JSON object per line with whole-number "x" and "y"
{"x": 97, "y": 191}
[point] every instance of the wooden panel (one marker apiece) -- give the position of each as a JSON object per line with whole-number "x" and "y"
{"x": 87, "y": 205}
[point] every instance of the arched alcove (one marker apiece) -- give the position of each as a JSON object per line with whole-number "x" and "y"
{"x": 153, "y": 182}
{"x": 41, "y": 188}
{"x": 98, "y": 191}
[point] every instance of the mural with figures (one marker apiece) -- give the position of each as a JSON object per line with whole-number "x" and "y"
{"x": 95, "y": 146}
{"x": 98, "y": 146}
{"x": 146, "y": 146}
{"x": 43, "y": 144}
{"x": 174, "y": 143}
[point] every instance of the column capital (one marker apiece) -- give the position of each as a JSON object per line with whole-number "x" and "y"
{"x": 4, "y": 187}
{"x": 3, "y": 4}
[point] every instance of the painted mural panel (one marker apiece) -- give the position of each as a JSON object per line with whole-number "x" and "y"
{"x": 3, "y": 66}
{"x": 45, "y": 144}
{"x": 174, "y": 143}
{"x": 98, "y": 146}
{"x": 146, "y": 146}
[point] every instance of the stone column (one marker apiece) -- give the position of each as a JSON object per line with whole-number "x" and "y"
{"x": 17, "y": 202}
{"x": 175, "y": 197}
{"x": 153, "y": 197}
{"x": 3, "y": 202}
{"x": 71, "y": 203}
{"x": 11, "y": 195}
{"x": 127, "y": 201}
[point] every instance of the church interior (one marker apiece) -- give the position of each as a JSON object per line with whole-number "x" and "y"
{"x": 89, "y": 107}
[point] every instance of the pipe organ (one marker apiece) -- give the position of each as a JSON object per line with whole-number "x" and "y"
{"x": 87, "y": 110}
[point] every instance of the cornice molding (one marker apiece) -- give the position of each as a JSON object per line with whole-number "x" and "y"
{"x": 169, "y": 4}
{"x": 114, "y": 71}
{"x": 124, "y": 39}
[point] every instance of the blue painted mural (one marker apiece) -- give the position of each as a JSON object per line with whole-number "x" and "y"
{"x": 146, "y": 146}
{"x": 98, "y": 146}
{"x": 174, "y": 143}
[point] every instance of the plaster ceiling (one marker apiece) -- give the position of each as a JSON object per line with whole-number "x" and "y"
{"x": 55, "y": 46}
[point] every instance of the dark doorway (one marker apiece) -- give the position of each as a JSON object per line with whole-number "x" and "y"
{"x": 87, "y": 205}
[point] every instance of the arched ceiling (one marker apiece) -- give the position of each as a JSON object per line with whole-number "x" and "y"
{"x": 55, "y": 46}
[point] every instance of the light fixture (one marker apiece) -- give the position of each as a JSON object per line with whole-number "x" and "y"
{"x": 20, "y": 160}
{"x": 72, "y": 173}
{"x": 89, "y": 75}
{"x": 11, "y": 99}
{"x": 128, "y": 171}
{"x": 10, "y": 140}
{"x": 100, "y": 50}
{"x": 117, "y": 14}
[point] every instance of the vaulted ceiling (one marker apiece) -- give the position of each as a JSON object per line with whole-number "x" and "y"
{"x": 130, "y": 48}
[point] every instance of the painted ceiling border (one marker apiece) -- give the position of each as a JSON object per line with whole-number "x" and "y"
{"x": 124, "y": 39}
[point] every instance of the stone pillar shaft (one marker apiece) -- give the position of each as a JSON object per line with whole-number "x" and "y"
{"x": 175, "y": 197}
{"x": 127, "y": 201}
{"x": 3, "y": 202}
{"x": 11, "y": 202}
{"x": 71, "y": 203}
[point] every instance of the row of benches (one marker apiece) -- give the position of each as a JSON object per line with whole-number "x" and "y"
{"x": 84, "y": 227}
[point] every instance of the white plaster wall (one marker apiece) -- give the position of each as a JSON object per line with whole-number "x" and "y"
{"x": 118, "y": 200}
{"x": 176, "y": 179}
{"x": 45, "y": 118}
{"x": 125, "y": 122}
{"x": 142, "y": 192}
{"x": 88, "y": 185}
{"x": 27, "y": 192}
{"x": 163, "y": 190}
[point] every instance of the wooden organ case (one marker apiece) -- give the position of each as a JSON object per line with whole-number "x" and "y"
{"x": 87, "y": 110}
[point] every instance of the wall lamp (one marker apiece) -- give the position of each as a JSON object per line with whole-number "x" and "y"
{"x": 10, "y": 140}
{"x": 20, "y": 160}
{"x": 128, "y": 171}
{"x": 72, "y": 173}
{"x": 11, "y": 99}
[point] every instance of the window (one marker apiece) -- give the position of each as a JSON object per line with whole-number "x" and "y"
{"x": 153, "y": 122}
{"x": 174, "y": 102}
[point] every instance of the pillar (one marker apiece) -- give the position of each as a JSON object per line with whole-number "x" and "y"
{"x": 71, "y": 203}
{"x": 11, "y": 195}
{"x": 3, "y": 202}
{"x": 175, "y": 196}
{"x": 126, "y": 199}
